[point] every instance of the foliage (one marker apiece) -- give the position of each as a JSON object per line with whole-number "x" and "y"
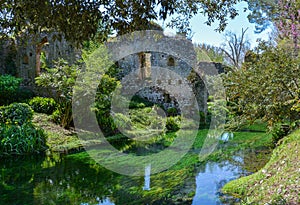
{"x": 16, "y": 113}
{"x": 173, "y": 124}
{"x": 214, "y": 10}
{"x": 279, "y": 131}
{"x": 289, "y": 22}
{"x": 172, "y": 111}
{"x": 21, "y": 139}
{"x": 267, "y": 87}
{"x": 61, "y": 78}
{"x": 138, "y": 102}
{"x": 9, "y": 86}
{"x": 81, "y": 20}
{"x": 24, "y": 95}
{"x": 103, "y": 103}
{"x": 283, "y": 14}
{"x": 262, "y": 13}
{"x": 17, "y": 134}
{"x": 218, "y": 110}
{"x": 56, "y": 116}
{"x": 43, "y": 105}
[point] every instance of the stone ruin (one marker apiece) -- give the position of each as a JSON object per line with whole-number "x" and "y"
{"x": 25, "y": 51}
{"x": 149, "y": 65}
{"x": 141, "y": 62}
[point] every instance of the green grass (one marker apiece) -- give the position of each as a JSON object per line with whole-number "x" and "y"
{"x": 242, "y": 141}
{"x": 58, "y": 138}
{"x": 277, "y": 182}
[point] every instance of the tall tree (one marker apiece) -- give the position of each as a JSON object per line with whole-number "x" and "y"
{"x": 235, "y": 48}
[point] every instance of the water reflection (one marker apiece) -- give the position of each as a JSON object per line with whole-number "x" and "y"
{"x": 147, "y": 177}
{"x": 226, "y": 136}
{"x": 211, "y": 179}
{"x": 75, "y": 179}
{"x": 105, "y": 202}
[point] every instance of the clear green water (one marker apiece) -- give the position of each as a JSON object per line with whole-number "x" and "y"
{"x": 75, "y": 179}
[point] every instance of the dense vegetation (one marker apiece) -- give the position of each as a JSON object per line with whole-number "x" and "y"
{"x": 262, "y": 88}
{"x": 17, "y": 133}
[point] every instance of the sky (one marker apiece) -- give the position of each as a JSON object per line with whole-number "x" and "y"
{"x": 207, "y": 34}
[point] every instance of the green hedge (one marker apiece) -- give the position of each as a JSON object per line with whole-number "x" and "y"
{"x": 16, "y": 113}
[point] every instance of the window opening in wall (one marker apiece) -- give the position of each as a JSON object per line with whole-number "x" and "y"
{"x": 145, "y": 65}
{"x": 171, "y": 61}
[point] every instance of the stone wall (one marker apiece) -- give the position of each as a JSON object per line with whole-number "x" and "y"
{"x": 25, "y": 54}
{"x": 168, "y": 87}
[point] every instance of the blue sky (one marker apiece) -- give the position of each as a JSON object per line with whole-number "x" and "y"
{"x": 207, "y": 34}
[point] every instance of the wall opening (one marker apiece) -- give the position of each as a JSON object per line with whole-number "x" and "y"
{"x": 171, "y": 61}
{"x": 144, "y": 65}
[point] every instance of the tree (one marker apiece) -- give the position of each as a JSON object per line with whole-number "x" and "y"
{"x": 283, "y": 14}
{"x": 62, "y": 78}
{"x": 79, "y": 20}
{"x": 236, "y": 48}
{"x": 289, "y": 21}
{"x": 262, "y": 13}
{"x": 266, "y": 87}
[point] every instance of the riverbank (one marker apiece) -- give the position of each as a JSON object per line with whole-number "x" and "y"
{"x": 277, "y": 182}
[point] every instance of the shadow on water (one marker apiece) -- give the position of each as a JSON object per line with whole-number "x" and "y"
{"x": 75, "y": 179}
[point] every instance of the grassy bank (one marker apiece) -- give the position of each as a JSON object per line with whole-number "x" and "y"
{"x": 58, "y": 138}
{"x": 277, "y": 182}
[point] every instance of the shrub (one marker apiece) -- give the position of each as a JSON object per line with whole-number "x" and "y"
{"x": 9, "y": 87}
{"x": 56, "y": 116}
{"x": 43, "y": 105}
{"x": 21, "y": 139}
{"x": 16, "y": 113}
{"x": 172, "y": 111}
{"x": 122, "y": 121}
{"x": 279, "y": 131}
{"x": 172, "y": 124}
{"x": 61, "y": 78}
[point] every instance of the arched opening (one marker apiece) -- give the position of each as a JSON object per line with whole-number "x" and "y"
{"x": 171, "y": 61}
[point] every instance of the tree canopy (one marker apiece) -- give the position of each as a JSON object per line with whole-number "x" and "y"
{"x": 284, "y": 15}
{"x": 266, "y": 87}
{"x": 80, "y": 20}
